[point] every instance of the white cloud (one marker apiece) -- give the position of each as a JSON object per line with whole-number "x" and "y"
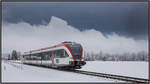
{"x": 23, "y": 37}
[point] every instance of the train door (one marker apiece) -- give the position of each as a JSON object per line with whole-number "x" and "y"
{"x": 57, "y": 57}
{"x": 60, "y": 58}
{"x": 64, "y": 58}
{"x": 48, "y": 58}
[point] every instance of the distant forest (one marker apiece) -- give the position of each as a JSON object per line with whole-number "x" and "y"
{"x": 141, "y": 56}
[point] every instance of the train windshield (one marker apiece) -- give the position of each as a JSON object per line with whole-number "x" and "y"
{"x": 76, "y": 51}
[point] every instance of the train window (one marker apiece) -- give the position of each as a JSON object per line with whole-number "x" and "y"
{"x": 49, "y": 56}
{"x": 62, "y": 53}
{"x": 33, "y": 56}
{"x": 46, "y": 55}
{"x": 27, "y": 57}
{"x": 38, "y": 56}
{"x": 30, "y": 57}
{"x": 43, "y": 56}
{"x": 76, "y": 51}
{"x": 56, "y": 54}
{"x": 59, "y": 53}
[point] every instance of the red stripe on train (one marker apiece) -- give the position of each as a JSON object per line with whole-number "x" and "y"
{"x": 52, "y": 59}
{"x": 81, "y": 53}
{"x": 36, "y": 60}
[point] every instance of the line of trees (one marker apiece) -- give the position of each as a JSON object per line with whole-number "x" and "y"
{"x": 141, "y": 56}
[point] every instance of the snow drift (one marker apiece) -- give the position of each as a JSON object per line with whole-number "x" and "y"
{"x": 24, "y": 37}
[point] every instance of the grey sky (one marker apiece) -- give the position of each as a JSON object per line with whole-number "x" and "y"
{"x": 125, "y": 18}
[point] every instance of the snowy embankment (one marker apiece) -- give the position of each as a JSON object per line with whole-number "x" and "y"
{"x": 125, "y": 68}
{"x": 16, "y": 72}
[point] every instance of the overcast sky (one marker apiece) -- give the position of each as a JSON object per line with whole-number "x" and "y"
{"x": 125, "y": 18}
{"x": 111, "y": 27}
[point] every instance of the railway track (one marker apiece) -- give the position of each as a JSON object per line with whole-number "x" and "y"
{"x": 111, "y": 76}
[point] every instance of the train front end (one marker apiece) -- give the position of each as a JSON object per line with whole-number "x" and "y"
{"x": 76, "y": 60}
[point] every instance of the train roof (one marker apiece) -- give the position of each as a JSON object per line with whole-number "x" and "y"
{"x": 65, "y": 42}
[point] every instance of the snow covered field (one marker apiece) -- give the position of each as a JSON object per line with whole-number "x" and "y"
{"x": 126, "y": 68}
{"x": 15, "y": 72}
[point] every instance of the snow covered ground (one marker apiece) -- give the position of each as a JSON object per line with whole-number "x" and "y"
{"x": 126, "y": 68}
{"x": 15, "y": 72}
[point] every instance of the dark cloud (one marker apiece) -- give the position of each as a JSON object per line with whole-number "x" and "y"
{"x": 125, "y": 18}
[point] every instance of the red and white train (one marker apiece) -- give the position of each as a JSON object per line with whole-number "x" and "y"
{"x": 68, "y": 55}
